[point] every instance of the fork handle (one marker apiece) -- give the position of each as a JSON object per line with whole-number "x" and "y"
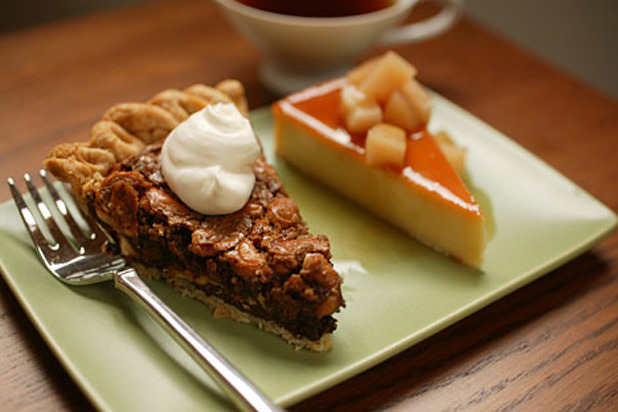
{"x": 240, "y": 390}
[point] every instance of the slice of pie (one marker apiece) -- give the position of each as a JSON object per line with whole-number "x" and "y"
{"x": 257, "y": 265}
{"x": 364, "y": 136}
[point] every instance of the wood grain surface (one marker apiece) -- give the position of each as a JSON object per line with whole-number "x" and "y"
{"x": 552, "y": 345}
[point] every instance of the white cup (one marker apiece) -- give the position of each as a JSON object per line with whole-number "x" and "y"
{"x": 300, "y": 51}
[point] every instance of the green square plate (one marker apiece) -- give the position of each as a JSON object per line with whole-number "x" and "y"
{"x": 398, "y": 292}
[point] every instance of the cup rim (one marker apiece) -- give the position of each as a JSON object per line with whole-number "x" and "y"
{"x": 399, "y": 6}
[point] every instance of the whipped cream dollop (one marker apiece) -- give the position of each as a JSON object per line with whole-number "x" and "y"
{"x": 207, "y": 160}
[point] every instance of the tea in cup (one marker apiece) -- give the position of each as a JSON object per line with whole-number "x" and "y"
{"x": 309, "y": 41}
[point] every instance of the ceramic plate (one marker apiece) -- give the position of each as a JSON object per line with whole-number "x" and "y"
{"x": 398, "y": 292}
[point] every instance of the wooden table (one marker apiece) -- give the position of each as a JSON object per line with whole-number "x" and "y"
{"x": 552, "y": 345}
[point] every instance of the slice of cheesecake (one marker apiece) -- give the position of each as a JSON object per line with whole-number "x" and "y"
{"x": 422, "y": 194}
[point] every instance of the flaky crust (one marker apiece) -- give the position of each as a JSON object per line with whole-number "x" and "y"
{"x": 127, "y": 127}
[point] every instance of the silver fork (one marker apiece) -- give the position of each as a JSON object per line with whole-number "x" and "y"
{"x": 79, "y": 260}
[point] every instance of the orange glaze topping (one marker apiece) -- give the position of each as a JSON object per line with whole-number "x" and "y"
{"x": 318, "y": 108}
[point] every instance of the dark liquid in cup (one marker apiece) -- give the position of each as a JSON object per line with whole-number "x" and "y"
{"x": 319, "y": 8}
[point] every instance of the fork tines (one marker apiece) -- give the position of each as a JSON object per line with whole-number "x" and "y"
{"x": 78, "y": 239}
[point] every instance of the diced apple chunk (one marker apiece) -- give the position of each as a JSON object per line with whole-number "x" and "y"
{"x": 351, "y": 98}
{"x": 399, "y": 111}
{"x": 388, "y": 73}
{"x": 360, "y": 72}
{"x": 385, "y": 145}
{"x": 362, "y": 118}
{"x": 360, "y": 113}
{"x": 456, "y": 155}
{"x": 418, "y": 96}
{"x": 408, "y": 107}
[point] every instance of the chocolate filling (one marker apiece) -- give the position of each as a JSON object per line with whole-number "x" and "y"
{"x": 261, "y": 259}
